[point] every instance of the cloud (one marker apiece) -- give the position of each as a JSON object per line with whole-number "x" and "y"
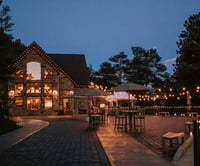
{"x": 170, "y": 61}
{"x": 169, "y": 64}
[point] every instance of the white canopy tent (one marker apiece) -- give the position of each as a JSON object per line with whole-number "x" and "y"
{"x": 117, "y": 96}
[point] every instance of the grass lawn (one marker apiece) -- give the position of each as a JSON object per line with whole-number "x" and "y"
{"x": 7, "y": 125}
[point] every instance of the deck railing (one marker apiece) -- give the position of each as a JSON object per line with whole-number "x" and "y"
{"x": 173, "y": 110}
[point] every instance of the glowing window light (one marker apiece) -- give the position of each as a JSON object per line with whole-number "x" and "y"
{"x": 33, "y": 71}
{"x": 48, "y": 104}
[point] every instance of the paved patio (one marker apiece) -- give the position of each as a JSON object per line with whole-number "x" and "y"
{"x": 64, "y": 142}
{"x": 69, "y": 142}
{"x": 156, "y": 126}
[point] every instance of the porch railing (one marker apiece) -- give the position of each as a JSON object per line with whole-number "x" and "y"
{"x": 173, "y": 110}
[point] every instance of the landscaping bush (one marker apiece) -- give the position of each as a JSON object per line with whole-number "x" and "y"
{"x": 7, "y": 125}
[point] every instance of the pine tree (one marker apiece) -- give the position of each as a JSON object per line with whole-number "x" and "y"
{"x": 187, "y": 67}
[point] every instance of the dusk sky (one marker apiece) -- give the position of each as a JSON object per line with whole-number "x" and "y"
{"x": 101, "y": 28}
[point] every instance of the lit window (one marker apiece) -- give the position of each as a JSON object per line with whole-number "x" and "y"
{"x": 48, "y": 88}
{"x": 48, "y": 103}
{"x": 33, "y": 71}
{"x": 18, "y": 89}
{"x": 33, "y": 88}
{"x": 18, "y": 101}
{"x": 33, "y": 103}
{"x": 19, "y": 74}
{"x": 48, "y": 74}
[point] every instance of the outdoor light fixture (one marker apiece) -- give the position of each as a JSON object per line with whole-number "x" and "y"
{"x": 55, "y": 94}
{"x": 11, "y": 94}
{"x": 102, "y": 105}
{"x": 198, "y": 89}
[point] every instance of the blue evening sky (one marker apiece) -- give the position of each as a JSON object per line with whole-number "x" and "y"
{"x": 101, "y": 28}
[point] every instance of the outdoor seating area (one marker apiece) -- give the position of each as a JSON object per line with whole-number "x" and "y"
{"x": 161, "y": 128}
{"x": 125, "y": 120}
{"x": 163, "y": 134}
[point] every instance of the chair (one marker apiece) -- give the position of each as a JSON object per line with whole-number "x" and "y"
{"x": 188, "y": 126}
{"x": 120, "y": 121}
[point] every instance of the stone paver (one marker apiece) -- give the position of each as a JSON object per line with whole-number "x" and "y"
{"x": 63, "y": 142}
{"x": 156, "y": 126}
{"x": 187, "y": 159}
{"x": 11, "y": 138}
{"x": 69, "y": 142}
{"x": 124, "y": 150}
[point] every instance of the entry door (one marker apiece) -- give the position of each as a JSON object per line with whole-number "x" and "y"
{"x": 33, "y": 103}
{"x": 66, "y": 106}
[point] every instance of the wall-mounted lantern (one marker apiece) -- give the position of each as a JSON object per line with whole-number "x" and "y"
{"x": 11, "y": 94}
{"x": 55, "y": 94}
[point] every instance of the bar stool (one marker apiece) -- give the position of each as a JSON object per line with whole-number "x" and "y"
{"x": 120, "y": 121}
{"x": 188, "y": 126}
{"x": 139, "y": 123}
{"x": 104, "y": 116}
{"x": 140, "y": 120}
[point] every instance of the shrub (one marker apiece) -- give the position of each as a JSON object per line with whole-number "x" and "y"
{"x": 7, "y": 125}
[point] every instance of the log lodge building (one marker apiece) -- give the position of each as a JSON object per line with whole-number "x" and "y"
{"x": 43, "y": 82}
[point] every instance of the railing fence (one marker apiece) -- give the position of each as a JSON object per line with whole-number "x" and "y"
{"x": 173, "y": 110}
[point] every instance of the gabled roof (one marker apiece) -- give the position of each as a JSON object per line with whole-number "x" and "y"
{"x": 72, "y": 65}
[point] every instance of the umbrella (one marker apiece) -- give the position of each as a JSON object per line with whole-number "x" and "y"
{"x": 119, "y": 96}
{"x": 129, "y": 87}
{"x": 90, "y": 92}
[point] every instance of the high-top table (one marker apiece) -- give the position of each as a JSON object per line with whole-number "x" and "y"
{"x": 130, "y": 114}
